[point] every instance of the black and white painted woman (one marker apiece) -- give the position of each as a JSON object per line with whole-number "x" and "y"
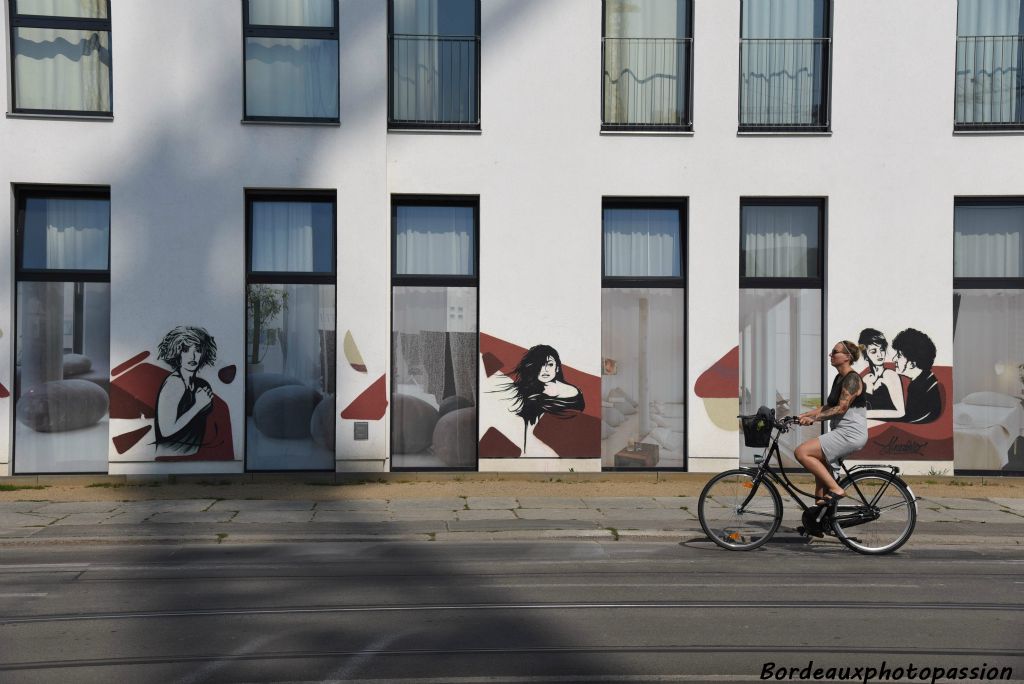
{"x": 185, "y": 400}
{"x": 539, "y": 387}
{"x": 883, "y": 389}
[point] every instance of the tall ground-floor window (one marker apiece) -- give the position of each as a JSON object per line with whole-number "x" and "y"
{"x": 62, "y": 328}
{"x": 434, "y": 333}
{"x": 643, "y": 334}
{"x": 290, "y": 331}
{"x": 988, "y": 335}
{"x": 781, "y": 276}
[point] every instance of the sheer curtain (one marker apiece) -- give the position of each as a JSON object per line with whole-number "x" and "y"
{"x": 62, "y": 69}
{"x": 434, "y": 240}
{"x": 780, "y": 241}
{"x": 987, "y": 241}
{"x": 989, "y": 61}
{"x": 291, "y": 77}
{"x": 641, "y": 242}
{"x": 66, "y": 234}
{"x": 781, "y": 61}
{"x": 86, "y": 9}
{"x": 291, "y": 236}
{"x": 292, "y": 12}
{"x": 645, "y": 61}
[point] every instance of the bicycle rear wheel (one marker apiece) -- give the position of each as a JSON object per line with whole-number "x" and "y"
{"x": 877, "y": 515}
{"x": 738, "y": 514}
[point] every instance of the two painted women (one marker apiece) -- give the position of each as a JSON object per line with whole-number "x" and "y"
{"x": 185, "y": 400}
{"x": 539, "y": 388}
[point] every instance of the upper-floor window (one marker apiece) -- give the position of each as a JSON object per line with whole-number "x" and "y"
{"x": 291, "y": 60}
{"x": 647, "y": 51}
{"x": 60, "y": 50}
{"x": 989, "y": 70}
{"x": 434, "y": 55}
{"x": 785, "y": 65}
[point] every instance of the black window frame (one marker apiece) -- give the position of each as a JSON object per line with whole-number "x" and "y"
{"x": 252, "y": 277}
{"x": 680, "y": 282}
{"x": 18, "y": 20}
{"x": 826, "y": 82}
{"x": 984, "y": 283}
{"x": 297, "y": 32}
{"x": 809, "y": 283}
{"x": 23, "y": 192}
{"x": 400, "y": 125}
{"x": 424, "y": 280}
{"x": 685, "y": 127}
{"x": 961, "y": 126}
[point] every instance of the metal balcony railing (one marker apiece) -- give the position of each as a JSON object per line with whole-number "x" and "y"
{"x": 435, "y": 81}
{"x": 784, "y": 83}
{"x": 647, "y": 83}
{"x": 989, "y": 82}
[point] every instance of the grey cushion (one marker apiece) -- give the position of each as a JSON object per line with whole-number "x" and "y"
{"x": 76, "y": 364}
{"x": 455, "y": 438}
{"x": 321, "y": 425}
{"x": 414, "y": 421}
{"x": 62, "y": 405}
{"x": 453, "y": 403}
{"x": 285, "y": 412}
{"x": 258, "y": 383}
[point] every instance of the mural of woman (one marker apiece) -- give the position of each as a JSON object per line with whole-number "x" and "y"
{"x": 540, "y": 388}
{"x": 184, "y": 400}
{"x": 882, "y": 386}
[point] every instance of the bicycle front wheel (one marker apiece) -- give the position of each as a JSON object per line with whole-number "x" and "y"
{"x": 738, "y": 513}
{"x": 877, "y": 515}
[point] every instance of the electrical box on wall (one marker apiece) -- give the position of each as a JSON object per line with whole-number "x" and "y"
{"x": 361, "y": 431}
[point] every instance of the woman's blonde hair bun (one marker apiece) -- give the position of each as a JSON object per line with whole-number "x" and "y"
{"x": 854, "y": 349}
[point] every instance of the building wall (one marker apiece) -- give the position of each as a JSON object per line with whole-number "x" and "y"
{"x": 178, "y": 162}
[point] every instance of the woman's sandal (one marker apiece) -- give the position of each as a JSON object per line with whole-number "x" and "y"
{"x": 829, "y": 499}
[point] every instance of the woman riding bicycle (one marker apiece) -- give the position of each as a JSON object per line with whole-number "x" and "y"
{"x": 847, "y": 413}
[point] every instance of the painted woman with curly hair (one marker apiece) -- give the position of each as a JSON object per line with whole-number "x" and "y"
{"x": 184, "y": 400}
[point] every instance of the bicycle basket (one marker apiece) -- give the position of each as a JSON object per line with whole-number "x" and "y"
{"x": 757, "y": 429}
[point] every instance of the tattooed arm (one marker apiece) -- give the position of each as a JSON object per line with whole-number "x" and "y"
{"x": 852, "y": 386}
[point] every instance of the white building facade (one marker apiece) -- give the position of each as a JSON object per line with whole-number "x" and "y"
{"x": 530, "y": 235}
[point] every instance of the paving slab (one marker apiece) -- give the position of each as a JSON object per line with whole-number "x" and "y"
{"x": 997, "y": 516}
{"x": 261, "y": 505}
{"x": 65, "y": 507}
{"x": 451, "y": 504}
{"x": 559, "y": 514}
{"x": 352, "y": 505}
{"x": 925, "y": 514}
{"x": 271, "y": 516}
{"x": 21, "y": 506}
{"x": 192, "y": 517}
{"x": 678, "y": 526}
{"x": 128, "y": 518}
{"x": 331, "y": 516}
{"x": 485, "y": 515}
{"x": 434, "y": 514}
{"x": 966, "y": 504}
{"x": 1015, "y": 504}
{"x": 550, "y": 502}
{"x": 607, "y": 502}
{"x": 666, "y": 514}
{"x": 677, "y": 501}
{"x": 166, "y": 506}
{"x": 82, "y": 519}
{"x": 522, "y": 525}
{"x": 26, "y": 520}
{"x": 492, "y": 502}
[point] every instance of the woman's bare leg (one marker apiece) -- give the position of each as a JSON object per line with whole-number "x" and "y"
{"x": 810, "y": 457}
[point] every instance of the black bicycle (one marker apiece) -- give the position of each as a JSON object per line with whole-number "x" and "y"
{"x": 741, "y": 509}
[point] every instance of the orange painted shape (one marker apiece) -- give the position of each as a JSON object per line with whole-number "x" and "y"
{"x": 722, "y": 379}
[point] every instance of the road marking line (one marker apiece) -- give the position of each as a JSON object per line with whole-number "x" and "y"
{"x": 26, "y": 594}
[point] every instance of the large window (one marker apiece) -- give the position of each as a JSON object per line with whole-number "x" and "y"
{"x": 988, "y": 334}
{"x": 434, "y": 55}
{"x": 781, "y": 277}
{"x": 785, "y": 57}
{"x": 989, "y": 64}
{"x": 60, "y": 51}
{"x": 291, "y": 60}
{"x": 647, "y": 50}
{"x": 643, "y": 334}
{"x": 290, "y": 332}
{"x": 434, "y": 333}
{"x": 62, "y": 347}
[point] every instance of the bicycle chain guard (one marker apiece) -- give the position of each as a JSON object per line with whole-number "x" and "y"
{"x": 811, "y": 526}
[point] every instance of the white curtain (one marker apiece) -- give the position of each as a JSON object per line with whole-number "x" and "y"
{"x": 641, "y": 242}
{"x": 781, "y": 62}
{"x": 59, "y": 69}
{"x": 645, "y": 61}
{"x": 989, "y": 62}
{"x": 988, "y": 342}
{"x": 291, "y": 77}
{"x": 310, "y": 13}
{"x": 987, "y": 241}
{"x": 86, "y": 9}
{"x": 780, "y": 241}
{"x": 434, "y": 241}
{"x": 286, "y": 236}
{"x": 66, "y": 234}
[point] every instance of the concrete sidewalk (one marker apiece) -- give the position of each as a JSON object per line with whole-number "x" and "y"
{"x": 989, "y": 521}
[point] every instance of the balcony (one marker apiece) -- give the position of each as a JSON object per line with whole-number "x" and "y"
{"x": 784, "y": 84}
{"x": 647, "y": 84}
{"x": 989, "y": 83}
{"x": 435, "y": 82}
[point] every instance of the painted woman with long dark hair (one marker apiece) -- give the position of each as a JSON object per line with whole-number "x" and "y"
{"x": 539, "y": 388}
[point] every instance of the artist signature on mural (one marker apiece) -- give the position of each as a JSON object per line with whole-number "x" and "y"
{"x": 895, "y": 446}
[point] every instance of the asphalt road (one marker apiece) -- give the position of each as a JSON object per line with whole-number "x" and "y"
{"x": 571, "y": 611}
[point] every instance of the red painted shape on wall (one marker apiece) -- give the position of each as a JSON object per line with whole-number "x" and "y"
{"x": 370, "y": 405}
{"x": 117, "y": 370}
{"x": 133, "y": 394}
{"x": 4, "y": 392}
{"x": 227, "y": 374}
{"x": 575, "y": 437}
{"x": 492, "y": 364}
{"x": 129, "y": 439}
{"x": 932, "y": 441}
{"x": 496, "y": 445}
{"x": 722, "y": 379}
{"x": 217, "y": 441}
